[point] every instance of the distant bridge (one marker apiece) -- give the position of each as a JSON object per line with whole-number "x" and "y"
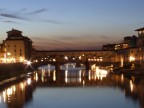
{"x": 87, "y": 58}
{"x": 87, "y": 64}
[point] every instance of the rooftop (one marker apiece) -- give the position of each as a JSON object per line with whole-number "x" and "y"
{"x": 140, "y": 29}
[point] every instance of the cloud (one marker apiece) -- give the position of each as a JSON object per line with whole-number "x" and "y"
{"x": 52, "y": 21}
{"x": 22, "y": 15}
{"x": 19, "y": 15}
{"x": 10, "y": 22}
{"x": 14, "y": 16}
{"x": 37, "y": 11}
{"x": 20, "y": 11}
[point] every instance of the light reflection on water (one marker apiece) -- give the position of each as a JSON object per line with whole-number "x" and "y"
{"x": 73, "y": 88}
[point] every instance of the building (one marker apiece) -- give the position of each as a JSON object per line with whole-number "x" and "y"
{"x": 140, "y": 41}
{"x": 109, "y": 47}
{"x": 129, "y": 42}
{"x": 17, "y": 47}
{"x": 2, "y": 52}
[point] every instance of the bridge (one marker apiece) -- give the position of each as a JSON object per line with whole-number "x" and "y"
{"x": 85, "y": 58}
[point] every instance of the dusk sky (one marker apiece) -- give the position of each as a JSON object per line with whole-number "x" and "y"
{"x": 72, "y": 24}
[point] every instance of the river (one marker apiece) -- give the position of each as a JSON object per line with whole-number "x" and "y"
{"x": 75, "y": 88}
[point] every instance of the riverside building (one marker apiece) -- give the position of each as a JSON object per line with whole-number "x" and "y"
{"x": 17, "y": 48}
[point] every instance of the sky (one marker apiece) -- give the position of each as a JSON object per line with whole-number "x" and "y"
{"x": 72, "y": 24}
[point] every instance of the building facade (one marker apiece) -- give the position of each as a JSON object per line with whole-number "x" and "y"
{"x": 17, "y": 47}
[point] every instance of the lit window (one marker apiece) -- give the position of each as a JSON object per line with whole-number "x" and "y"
{"x": 140, "y": 32}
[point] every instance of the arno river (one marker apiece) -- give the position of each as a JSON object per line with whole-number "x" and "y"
{"x": 74, "y": 88}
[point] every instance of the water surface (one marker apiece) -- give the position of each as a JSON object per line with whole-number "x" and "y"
{"x": 72, "y": 89}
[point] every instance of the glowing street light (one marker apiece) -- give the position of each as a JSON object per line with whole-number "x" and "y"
{"x": 80, "y": 57}
{"x": 131, "y": 58}
{"x": 66, "y": 58}
{"x": 28, "y": 62}
{"x": 8, "y": 53}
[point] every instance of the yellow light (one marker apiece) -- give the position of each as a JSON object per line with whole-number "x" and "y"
{"x": 89, "y": 75}
{"x": 22, "y": 86}
{"x": 54, "y": 75}
{"x": 66, "y": 76}
{"x": 79, "y": 57}
{"x": 21, "y": 59}
{"x": 54, "y": 60}
{"x": 140, "y": 32}
{"x": 42, "y": 78}
{"x": 80, "y": 72}
{"x": 36, "y": 77}
{"x": 14, "y": 89}
{"x": 131, "y": 58}
{"x": 100, "y": 73}
{"x": 8, "y": 91}
{"x": 83, "y": 83}
{"x": 28, "y": 62}
{"x": 122, "y": 78}
{"x": 4, "y": 60}
{"x": 8, "y": 53}
{"x": 131, "y": 86}
{"x": 66, "y": 58}
{"x": 29, "y": 81}
{"x": 4, "y": 96}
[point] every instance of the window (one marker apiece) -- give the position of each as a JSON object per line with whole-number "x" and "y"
{"x": 140, "y": 32}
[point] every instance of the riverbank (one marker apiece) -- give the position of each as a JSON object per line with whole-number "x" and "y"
{"x": 131, "y": 70}
{"x": 12, "y": 70}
